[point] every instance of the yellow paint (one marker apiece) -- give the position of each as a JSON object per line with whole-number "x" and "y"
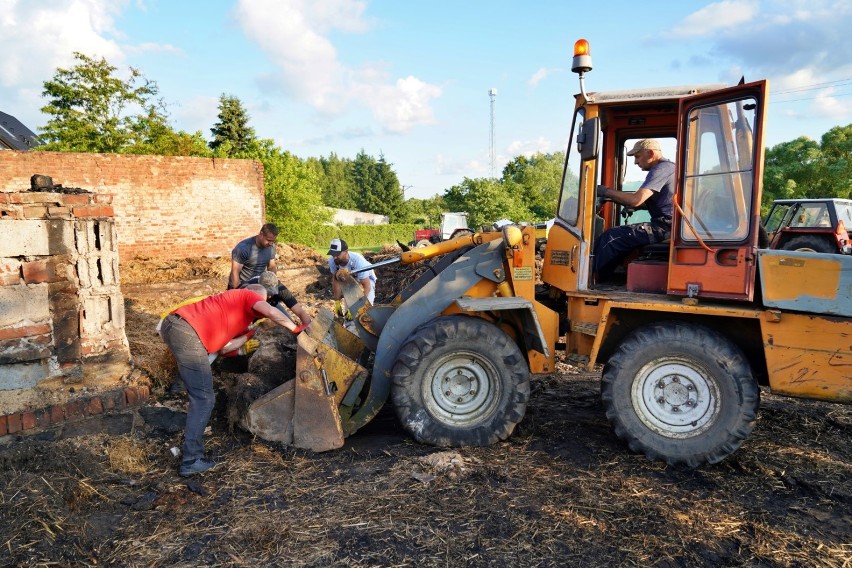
{"x": 789, "y": 277}
{"x": 809, "y": 356}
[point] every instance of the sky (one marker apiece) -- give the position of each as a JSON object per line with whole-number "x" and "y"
{"x": 409, "y": 80}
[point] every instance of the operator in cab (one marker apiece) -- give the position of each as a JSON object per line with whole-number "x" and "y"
{"x": 655, "y": 194}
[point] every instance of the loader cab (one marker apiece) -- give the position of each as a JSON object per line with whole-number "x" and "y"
{"x": 714, "y": 135}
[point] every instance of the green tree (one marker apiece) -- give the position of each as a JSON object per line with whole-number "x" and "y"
{"x": 92, "y": 110}
{"x": 232, "y": 132}
{"x": 835, "y": 164}
{"x": 336, "y": 182}
{"x": 790, "y": 169}
{"x": 293, "y": 201}
{"x": 485, "y": 201}
{"x": 376, "y": 186}
{"x": 536, "y": 181}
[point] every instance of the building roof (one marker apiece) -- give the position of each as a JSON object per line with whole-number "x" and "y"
{"x": 14, "y": 135}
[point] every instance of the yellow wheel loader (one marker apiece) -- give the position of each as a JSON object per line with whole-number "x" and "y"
{"x": 687, "y": 334}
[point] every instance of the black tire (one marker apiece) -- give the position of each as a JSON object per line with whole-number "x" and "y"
{"x": 460, "y": 381}
{"x": 680, "y": 392}
{"x": 810, "y": 243}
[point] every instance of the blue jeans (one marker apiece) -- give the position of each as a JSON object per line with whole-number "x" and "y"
{"x": 615, "y": 243}
{"x": 195, "y": 371}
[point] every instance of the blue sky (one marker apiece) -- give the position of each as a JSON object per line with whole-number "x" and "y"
{"x": 410, "y": 79}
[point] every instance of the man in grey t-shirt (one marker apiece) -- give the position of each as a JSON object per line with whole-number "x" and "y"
{"x": 252, "y": 257}
{"x": 655, "y": 193}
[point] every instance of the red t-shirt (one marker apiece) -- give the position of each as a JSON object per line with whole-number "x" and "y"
{"x": 219, "y": 318}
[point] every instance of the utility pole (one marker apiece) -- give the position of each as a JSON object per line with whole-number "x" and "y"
{"x": 492, "y": 93}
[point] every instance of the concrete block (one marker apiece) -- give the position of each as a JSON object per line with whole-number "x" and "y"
{"x": 30, "y": 237}
{"x": 23, "y": 303}
{"x": 23, "y": 375}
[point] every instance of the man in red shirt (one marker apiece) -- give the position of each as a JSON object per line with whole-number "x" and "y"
{"x": 218, "y": 323}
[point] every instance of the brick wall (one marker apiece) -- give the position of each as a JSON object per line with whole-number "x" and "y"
{"x": 165, "y": 206}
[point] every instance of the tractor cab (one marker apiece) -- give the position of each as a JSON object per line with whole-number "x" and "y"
{"x": 712, "y": 133}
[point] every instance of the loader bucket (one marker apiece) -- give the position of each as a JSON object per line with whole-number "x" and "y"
{"x": 304, "y": 412}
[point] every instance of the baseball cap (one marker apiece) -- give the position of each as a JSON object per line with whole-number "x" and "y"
{"x": 337, "y": 246}
{"x": 269, "y": 281}
{"x": 646, "y": 144}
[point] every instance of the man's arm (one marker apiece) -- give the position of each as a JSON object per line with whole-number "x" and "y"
{"x": 366, "y": 285}
{"x": 301, "y": 313}
{"x": 271, "y": 266}
{"x": 627, "y": 198}
{"x": 274, "y": 314}
{"x": 234, "y": 278}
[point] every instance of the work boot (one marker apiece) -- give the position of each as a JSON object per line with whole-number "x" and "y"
{"x": 197, "y": 466}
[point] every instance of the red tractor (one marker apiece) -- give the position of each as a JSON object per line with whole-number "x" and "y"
{"x": 814, "y": 225}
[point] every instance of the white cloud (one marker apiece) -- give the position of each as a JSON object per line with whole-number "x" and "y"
{"x": 529, "y": 147}
{"x": 827, "y": 106}
{"x": 294, "y": 34}
{"x": 716, "y": 16}
{"x": 541, "y": 75}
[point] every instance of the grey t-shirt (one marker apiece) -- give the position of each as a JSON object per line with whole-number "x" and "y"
{"x": 253, "y": 258}
{"x": 660, "y": 180}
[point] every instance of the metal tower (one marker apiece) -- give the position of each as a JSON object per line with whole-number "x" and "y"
{"x": 492, "y": 93}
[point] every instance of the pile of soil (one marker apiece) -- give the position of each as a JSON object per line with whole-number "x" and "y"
{"x": 562, "y": 490}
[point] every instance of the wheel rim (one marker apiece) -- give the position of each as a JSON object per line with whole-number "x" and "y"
{"x": 675, "y": 398}
{"x": 463, "y": 389}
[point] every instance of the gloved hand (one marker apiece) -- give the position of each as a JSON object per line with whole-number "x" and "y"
{"x": 341, "y": 274}
{"x": 300, "y": 329}
{"x": 348, "y": 315}
{"x": 600, "y": 191}
{"x": 255, "y": 324}
{"x": 338, "y": 309}
{"x": 247, "y": 348}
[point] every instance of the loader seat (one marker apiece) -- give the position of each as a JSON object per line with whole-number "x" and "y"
{"x": 656, "y": 251}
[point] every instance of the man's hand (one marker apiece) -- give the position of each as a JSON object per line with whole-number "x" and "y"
{"x": 300, "y": 329}
{"x": 600, "y": 191}
{"x": 338, "y": 309}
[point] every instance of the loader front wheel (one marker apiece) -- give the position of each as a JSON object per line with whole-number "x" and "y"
{"x": 680, "y": 392}
{"x": 460, "y": 381}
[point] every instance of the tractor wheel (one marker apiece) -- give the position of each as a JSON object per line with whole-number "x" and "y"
{"x": 810, "y": 243}
{"x": 681, "y": 393}
{"x": 423, "y": 243}
{"x": 460, "y": 381}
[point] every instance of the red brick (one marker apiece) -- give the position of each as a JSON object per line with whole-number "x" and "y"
{"x": 108, "y": 402}
{"x": 131, "y": 396}
{"x": 10, "y": 213}
{"x": 144, "y": 393}
{"x": 94, "y": 211}
{"x": 14, "y": 421}
{"x": 76, "y": 199}
{"x": 34, "y": 197}
{"x": 28, "y": 420}
{"x": 94, "y": 406}
{"x": 34, "y": 211}
{"x": 4, "y": 425}
{"x": 24, "y": 331}
{"x": 43, "y": 417}
{"x": 39, "y": 271}
{"x": 73, "y": 409}
{"x": 4, "y": 198}
{"x": 57, "y": 414}
{"x": 58, "y": 212}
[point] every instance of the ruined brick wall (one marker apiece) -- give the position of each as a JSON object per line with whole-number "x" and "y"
{"x": 165, "y": 206}
{"x": 61, "y": 308}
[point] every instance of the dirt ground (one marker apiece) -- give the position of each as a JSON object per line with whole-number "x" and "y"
{"x": 562, "y": 491}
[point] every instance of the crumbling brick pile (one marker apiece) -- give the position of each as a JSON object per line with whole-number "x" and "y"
{"x": 62, "y": 340}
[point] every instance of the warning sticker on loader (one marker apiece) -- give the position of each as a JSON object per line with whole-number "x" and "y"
{"x": 523, "y": 273}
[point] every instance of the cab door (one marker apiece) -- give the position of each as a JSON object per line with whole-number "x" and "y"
{"x": 566, "y": 263}
{"x": 717, "y": 202}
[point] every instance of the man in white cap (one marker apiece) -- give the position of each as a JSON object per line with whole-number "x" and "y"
{"x": 341, "y": 262}
{"x": 655, "y": 193}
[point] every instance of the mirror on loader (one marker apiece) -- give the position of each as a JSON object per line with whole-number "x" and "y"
{"x": 588, "y": 139}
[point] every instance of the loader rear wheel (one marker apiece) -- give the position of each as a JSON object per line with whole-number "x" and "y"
{"x": 810, "y": 243}
{"x": 680, "y": 392}
{"x": 460, "y": 381}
